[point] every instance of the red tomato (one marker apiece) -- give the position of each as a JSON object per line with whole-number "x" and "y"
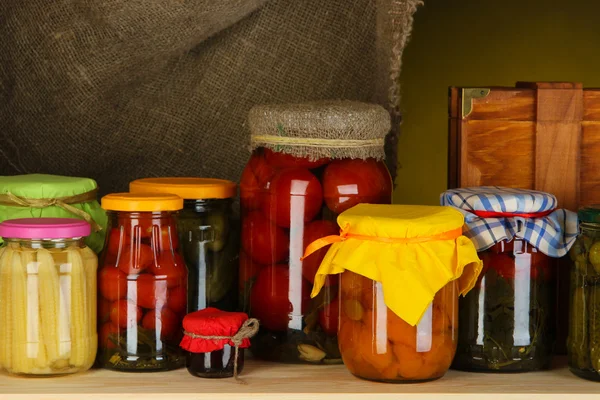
{"x": 106, "y": 330}
{"x": 270, "y": 297}
{"x": 264, "y": 241}
{"x": 313, "y": 231}
{"x": 293, "y": 193}
{"x": 125, "y": 314}
{"x": 248, "y": 269}
{"x": 117, "y": 238}
{"x": 134, "y": 261}
{"x": 166, "y": 322}
{"x": 150, "y": 293}
{"x": 164, "y": 237}
{"x": 112, "y": 283}
{"x": 177, "y": 299}
{"x": 282, "y": 160}
{"x": 329, "y": 317}
{"x": 138, "y": 224}
{"x": 103, "y": 310}
{"x": 347, "y": 183}
{"x": 169, "y": 266}
{"x": 254, "y": 181}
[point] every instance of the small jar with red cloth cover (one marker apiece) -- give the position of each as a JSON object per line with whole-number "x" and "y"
{"x": 310, "y": 162}
{"x": 506, "y": 323}
{"x": 215, "y": 341}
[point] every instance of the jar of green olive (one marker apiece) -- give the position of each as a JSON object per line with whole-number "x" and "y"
{"x": 208, "y": 236}
{"x": 584, "y": 326}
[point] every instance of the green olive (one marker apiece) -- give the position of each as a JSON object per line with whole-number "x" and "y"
{"x": 594, "y": 256}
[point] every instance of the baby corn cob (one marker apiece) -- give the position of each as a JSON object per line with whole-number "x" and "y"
{"x": 35, "y": 346}
{"x": 90, "y": 263}
{"x": 5, "y": 308}
{"x": 80, "y": 327}
{"x": 49, "y": 287}
{"x": 21, "y": 363}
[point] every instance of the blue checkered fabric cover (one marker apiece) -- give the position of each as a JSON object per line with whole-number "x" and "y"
{"x": 553, "y": 234}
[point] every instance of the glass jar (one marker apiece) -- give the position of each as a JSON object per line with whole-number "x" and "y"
{"x": 47, "y": 297}
{"x": 378, "y": 345}
{"x": 288, "y": 202}
{"x": 209, "y": 237}
{"x": 583, "y": 344}
{"x": 506, "y": 322}
{"x": 216, "y": 364}
{"x": 142, "y": 283}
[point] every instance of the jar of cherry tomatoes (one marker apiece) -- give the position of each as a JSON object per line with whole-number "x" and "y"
{"x": 402, "y": 269}
{"x": 507, "y": 321}
{"x": 142, "y": 284}
{"x": 310, "y": 162}
{"x": 208, "y": 235}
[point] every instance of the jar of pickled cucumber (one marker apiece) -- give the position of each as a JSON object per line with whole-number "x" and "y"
{"x": 142, "y": 284}
{"x": 507, "y": 322}
{"x": 208, "y": 236}
{"x": 402, "y": 269}
{"x": 583, "y": 344}
{"x": 47, "y": 297}
{"x": 310, "y": 163}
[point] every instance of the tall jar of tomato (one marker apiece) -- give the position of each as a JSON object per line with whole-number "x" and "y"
{"x": 507, "y": 321}
{"x": 402, "y": 269}
{"x": 310, "y": 163}
{"x": 208, "y": 235}
{"x": 142, "y": 284}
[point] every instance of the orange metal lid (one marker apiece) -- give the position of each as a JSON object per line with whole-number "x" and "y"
{"x": 142, "y": 202}
{"x": 187, "y": 188}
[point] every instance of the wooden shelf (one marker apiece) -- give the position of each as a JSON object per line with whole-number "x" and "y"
{"x": 276, "y": 381}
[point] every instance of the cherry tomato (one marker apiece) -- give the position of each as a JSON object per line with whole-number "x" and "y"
{"x": 248, "y": 269}
{"x": 138, "y": 224}
{"x": 177, "y": 299}
{"x": 329, "y": 317}
{"x": 282, "y": 160}
{"x": 313, "y": 231}
{"x": 169, "y": 267}
{"x": 264, "y": 241}
{"x": 117, "y": 238}
{"x": 125, "y": 313}
{"x": 112, "y": 283}
{"x": 150, "y": 293}
{"x": 293, "y": 193}
{"x": 270, "y": 297}
{"x": 349, "y": 182}
{"x": 106, "y": 330}
{"x": 103, "y": 310}
{"x": 166, "y": 322}
{"x": 254, "y": 181}
{"x": 134, "y": 261}
{"x": 164, "y": 237}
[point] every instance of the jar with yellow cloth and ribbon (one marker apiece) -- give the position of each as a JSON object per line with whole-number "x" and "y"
{"x": 402, "y": 270}
{"x": 53, "y": 196}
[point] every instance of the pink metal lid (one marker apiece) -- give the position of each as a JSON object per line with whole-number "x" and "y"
{"x": 44, "y": 228}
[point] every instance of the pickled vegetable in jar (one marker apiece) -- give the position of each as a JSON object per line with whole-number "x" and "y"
{"x": 310, "y": 162}
{"x": 47, "y": 297}
{"x": 507, "y": 321}
{"x": 583, "y": 344}
{"x": 208, "y": 236}
{"x": 142, "y": 284}
{"x": 402, "y": 270}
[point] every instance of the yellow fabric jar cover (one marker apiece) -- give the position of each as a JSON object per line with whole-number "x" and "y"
{"x": 413, "y": 251}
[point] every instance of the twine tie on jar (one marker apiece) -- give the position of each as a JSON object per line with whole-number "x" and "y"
{"x": 10, "y": 199}
{"x": 246, "y": 331}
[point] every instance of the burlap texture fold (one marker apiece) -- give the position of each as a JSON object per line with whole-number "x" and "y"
{"x": 122, "y": 89}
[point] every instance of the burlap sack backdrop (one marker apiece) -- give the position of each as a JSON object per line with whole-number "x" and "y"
{"x": 122, "y": 89}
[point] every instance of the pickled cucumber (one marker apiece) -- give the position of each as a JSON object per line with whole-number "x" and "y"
{"x": 220, "y": 225}
{"x": 578, "y": 333}
{"x": 594, "y": 326}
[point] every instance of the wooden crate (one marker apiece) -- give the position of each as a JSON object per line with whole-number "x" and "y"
{"x": 543, "y": 136}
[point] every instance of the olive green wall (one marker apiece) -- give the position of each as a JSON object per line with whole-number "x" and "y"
{"x": 483, "y": 43}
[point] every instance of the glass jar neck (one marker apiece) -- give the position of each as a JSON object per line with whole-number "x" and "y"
{"x": 207, "y": 205}
{"x": 47, "y": 243}
{"x": 589, "y": 227}
{"x": 140, "y": 215}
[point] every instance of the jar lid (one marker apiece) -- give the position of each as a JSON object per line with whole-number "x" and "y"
{"x": 589, "y": 214}
{"x": 44, "y": 228}
{"x": 187, "y": 188}
{"x": 211, "y": 322}
{"x": 142, "y": 202}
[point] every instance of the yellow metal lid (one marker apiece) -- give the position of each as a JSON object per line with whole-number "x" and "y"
{"x": 187, "y": 188}
{"x": 142, "y": 202}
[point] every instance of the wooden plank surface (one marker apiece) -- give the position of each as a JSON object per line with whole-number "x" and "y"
{"x": 276, "y": 381}
{"x": 590, "y": 164}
